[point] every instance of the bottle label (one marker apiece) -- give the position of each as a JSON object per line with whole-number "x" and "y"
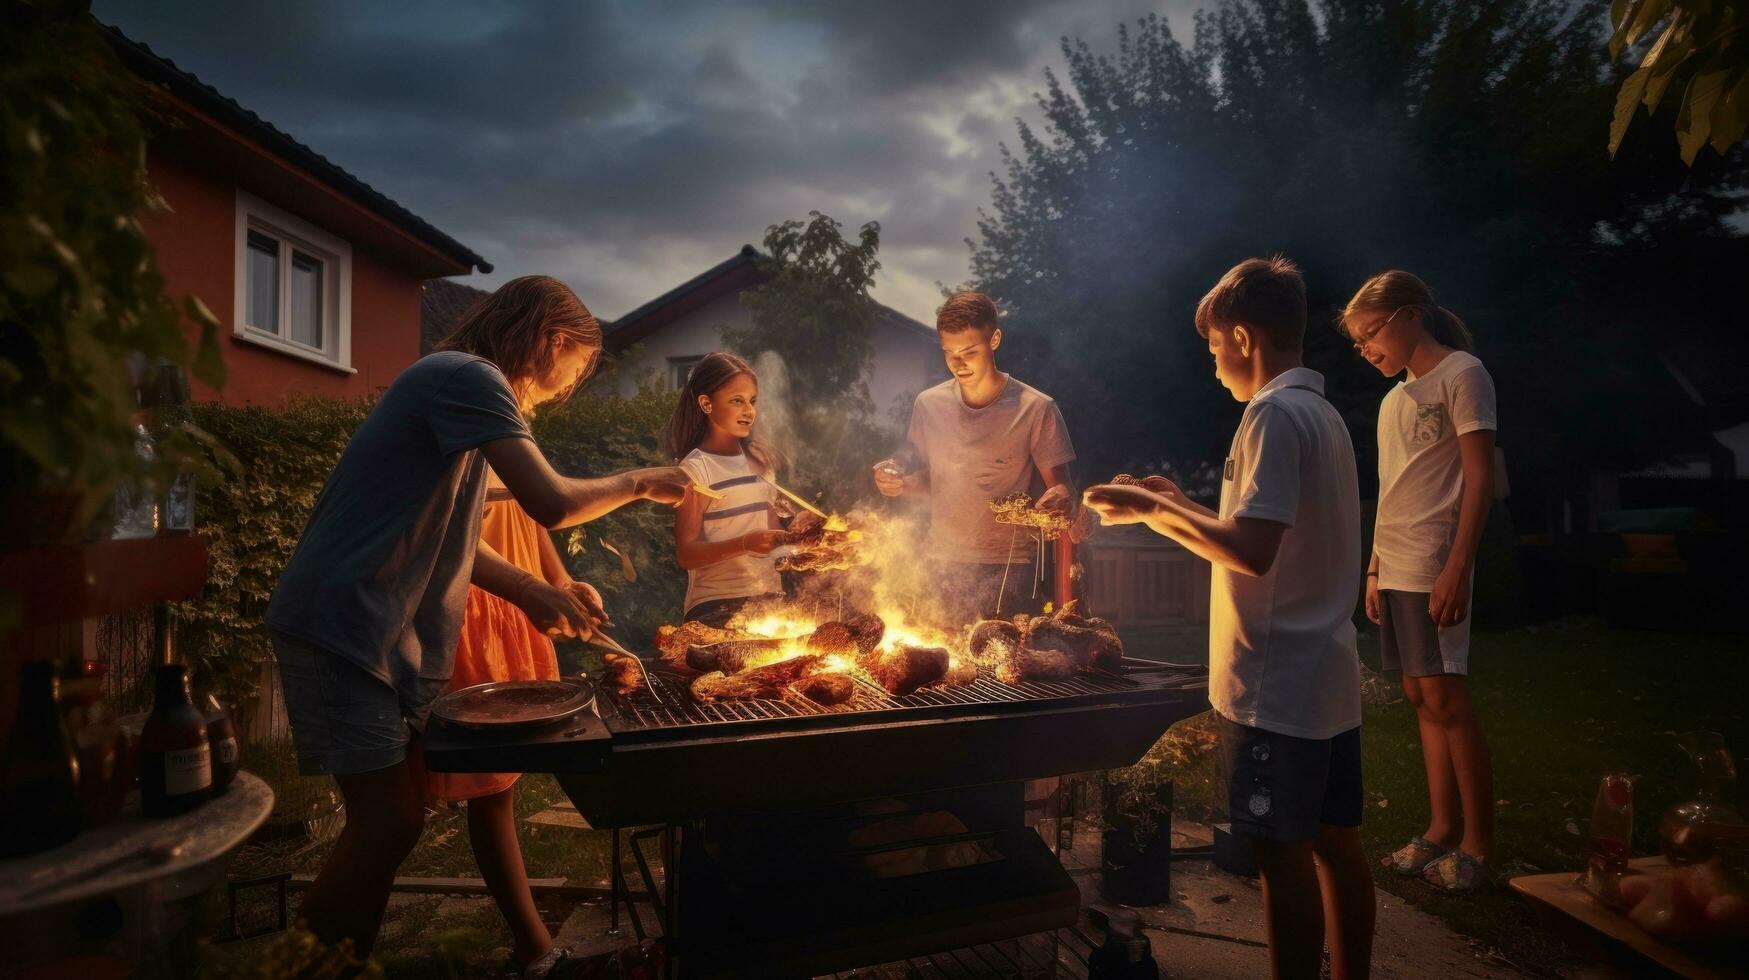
{"x": 227, "y": 752}
{"x": 188, "y": 770}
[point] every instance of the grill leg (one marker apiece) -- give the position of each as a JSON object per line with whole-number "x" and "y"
{"x": 658, "y": 897}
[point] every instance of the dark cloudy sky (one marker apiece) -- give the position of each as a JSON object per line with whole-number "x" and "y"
{"x": 625, "y": 147}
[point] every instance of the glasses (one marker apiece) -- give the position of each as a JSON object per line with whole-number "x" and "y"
{"x": 1360, "y": 343}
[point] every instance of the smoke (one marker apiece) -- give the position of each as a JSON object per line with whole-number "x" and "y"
{"x": 776, "y": 425}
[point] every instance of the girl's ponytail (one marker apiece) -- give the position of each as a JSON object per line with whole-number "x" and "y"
{"x": 1394, "y": 290}
{"x": 1449, "y": 329}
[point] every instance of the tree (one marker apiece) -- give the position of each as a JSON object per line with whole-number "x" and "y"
{"x": 79, "y": 287}
{"x": 812, "y": 337}
{"x": 813, "y": 307}
{"x": 1704, "y": 43}
{"x": 1454, "y": 138}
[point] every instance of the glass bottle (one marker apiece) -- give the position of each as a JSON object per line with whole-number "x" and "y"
{"x": 172, "y": 410}
{"x": 136, "y": 507}
{"x": 1709, "y": 825}
{"x": 1612, "y": 828}
{"x": 221, "y": 736}
{"x": 176, "y": 761}
{"x": 39, "y": 775}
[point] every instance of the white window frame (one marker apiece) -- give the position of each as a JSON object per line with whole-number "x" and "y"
{"x": 293, "y": 232}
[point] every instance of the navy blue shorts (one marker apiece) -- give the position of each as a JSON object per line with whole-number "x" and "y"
{"x": 1283, "y": 788}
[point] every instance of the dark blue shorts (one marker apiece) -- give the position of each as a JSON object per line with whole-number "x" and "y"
{"x": 1283, "y": 788}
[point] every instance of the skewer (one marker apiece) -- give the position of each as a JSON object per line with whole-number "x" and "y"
{"x": 704, "y": 491}
{"x": 817, "y": 512}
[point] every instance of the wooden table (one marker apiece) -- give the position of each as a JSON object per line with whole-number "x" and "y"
{"x": 51, "y": 902}
{"x": 1567, "y": 909}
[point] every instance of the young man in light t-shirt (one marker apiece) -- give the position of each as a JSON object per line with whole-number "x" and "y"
{"x": 976, "y": 437}
{"x": 1284, "y": 676}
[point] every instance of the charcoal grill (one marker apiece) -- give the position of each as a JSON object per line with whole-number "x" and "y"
{"x": 657, "y": 757}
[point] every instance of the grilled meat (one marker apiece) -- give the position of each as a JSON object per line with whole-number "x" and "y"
{"x": 718, "y": 686}
{"x": 1017, "y": 508}
{"x": 960, "y": 672}
{"x": 1092, "y": 649}
{"x": 833, "y": 688}
{"x": 869, "y": 629}
{"x": 624, "y": 674}
{"x": 732, "y": 656}
{"x": 1026, "y": 664}
{"x": 829, "y": 638}
{"x": 991, "y": 637}
{"x": 672, "y": 641}
{"x": 905, "y": 669}
{"x": 768, "y": 681}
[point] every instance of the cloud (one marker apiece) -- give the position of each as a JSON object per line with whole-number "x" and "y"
{"x": 624, "y": 148}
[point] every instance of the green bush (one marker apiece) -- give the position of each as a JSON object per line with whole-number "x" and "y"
{"x": 252, "y": 521}
{"x": 79, "y": 287}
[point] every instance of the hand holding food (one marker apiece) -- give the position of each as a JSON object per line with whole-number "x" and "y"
{"x": 1119, "y": 504}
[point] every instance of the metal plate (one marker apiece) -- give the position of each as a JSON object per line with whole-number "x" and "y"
{"x": 515, "y": 704}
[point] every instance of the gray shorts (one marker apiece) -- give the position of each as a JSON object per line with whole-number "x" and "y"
{"x": 344, "y": 719}
{"x": 1411, "y": 642}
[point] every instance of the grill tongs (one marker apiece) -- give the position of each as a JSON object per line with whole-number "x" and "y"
{"x": 602, "y": 640}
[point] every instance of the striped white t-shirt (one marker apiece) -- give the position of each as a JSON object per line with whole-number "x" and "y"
{"x": 746, "y": 506}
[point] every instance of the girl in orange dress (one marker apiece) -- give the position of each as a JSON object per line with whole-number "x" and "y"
{"x": 499, "y": 643}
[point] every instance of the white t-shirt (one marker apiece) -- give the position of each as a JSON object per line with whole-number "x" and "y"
{"x": 1281, "y": 645}
{"x": 1421, "y": 473}
{"x": 745, "y": 507}
{"x": 976, "y": 455}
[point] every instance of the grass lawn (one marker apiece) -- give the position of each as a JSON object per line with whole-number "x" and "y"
{"x": 1562, "y": 704}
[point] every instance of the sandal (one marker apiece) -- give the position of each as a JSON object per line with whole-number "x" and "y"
{"x": 1456, "y": 872}
{"x": 1414, "y": 857}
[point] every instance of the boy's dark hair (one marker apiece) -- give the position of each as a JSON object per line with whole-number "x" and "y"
{"x": 966, "y": 311}
{"x": 1266, "y": 295}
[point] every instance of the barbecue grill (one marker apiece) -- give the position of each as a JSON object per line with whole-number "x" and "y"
{"x": 656, "y": 756}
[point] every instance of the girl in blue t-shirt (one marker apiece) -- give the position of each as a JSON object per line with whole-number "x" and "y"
{"x": 367, "y": 614}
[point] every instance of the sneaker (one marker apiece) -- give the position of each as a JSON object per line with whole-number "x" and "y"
{"x": 1456, "y": 872}
{"x": 1412, "y": 858}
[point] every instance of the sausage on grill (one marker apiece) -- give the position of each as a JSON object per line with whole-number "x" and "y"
{"x": 904, "y": 669}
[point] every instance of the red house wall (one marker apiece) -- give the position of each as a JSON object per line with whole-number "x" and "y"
{"x": 195, "y": 244}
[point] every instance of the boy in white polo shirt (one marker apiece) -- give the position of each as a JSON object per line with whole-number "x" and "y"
{"x": 1284, "y": 676}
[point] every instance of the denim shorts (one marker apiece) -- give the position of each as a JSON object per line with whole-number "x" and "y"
{"x": 344, "y": 719}
{"x": 1283, "y": 788}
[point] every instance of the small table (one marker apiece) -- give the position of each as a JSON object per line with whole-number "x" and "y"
{"x": 51, "y": 903}
{"x": 1567, "y": 909}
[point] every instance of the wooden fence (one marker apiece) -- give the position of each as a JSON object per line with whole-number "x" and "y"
{"x": 1137, "y": 578}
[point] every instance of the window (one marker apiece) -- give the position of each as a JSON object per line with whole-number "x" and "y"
{"x": 293, "y": 285}
{"x": 680, "y": 367}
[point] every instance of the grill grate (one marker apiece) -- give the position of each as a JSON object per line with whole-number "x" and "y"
{"x": 673, "y": 706}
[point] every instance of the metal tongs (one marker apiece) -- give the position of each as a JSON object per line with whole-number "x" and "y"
{"x": 600, "y": 639}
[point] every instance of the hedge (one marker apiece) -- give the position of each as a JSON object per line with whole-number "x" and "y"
{"x": 253, "y": 519}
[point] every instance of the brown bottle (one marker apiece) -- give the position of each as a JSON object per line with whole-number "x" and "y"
{"x": 176, "y": 760}
{"x": 39, "y": 775}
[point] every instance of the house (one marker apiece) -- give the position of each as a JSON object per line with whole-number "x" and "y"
{"x": 665, "y": 337}
{"x": 441, "y": 306}
{"x": 315, "y": 275}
